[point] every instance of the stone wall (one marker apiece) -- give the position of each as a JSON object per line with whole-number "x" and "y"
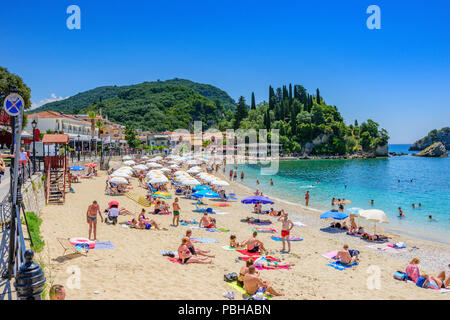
{"x": 33, "y": 193}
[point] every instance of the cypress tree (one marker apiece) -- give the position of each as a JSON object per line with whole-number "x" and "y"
{"x": 253, "y": 101}
{"x": 290, "y": 94}
{"x": 241, "y": 112}
{"x": 318, "y": 96}
{"x": 271, "y": 98}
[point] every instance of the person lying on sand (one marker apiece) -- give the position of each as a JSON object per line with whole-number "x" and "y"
{"x": 143, "y": 221}
{"x": 374, "y": 237}
{"x": 273, "y": 212}
{"x": 253, "y": 283}
{"x": 267, "y": 262}
{"x": 207, "y": 222}
{"x": 196, "y": 251}
{"x": 254, "y": 245}
{"x": 244, "y": 271}
{"x": 124, "y": 211}
{"x": 439, "y": 282}
{"x": 185, "y": 256}
{"x": 346, "y": 256}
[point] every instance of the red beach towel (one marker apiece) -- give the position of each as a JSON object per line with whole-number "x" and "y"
{"x": 245, "y": 251}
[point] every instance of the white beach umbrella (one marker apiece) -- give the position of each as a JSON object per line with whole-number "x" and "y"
{"x": 127, "y": 158}
{"x": 165, "y": 170}
{"x": 158, "y": 179}
{"x": 119, "y": 180}
{"x": 125, "y": 167}
{"x": 129, "y": 163}
{"x": 158, "y": 158}
{"x": 154, "y": 165}
{"x": 140, "y": 167}
{"x": 374, "y": 215}
{"x": 193, "y": 170}
{"x": 120, "y": 174}
{"x": 174, "y": 166}
{"x": 190, "y": 182}
{"x": 220, "y": 183}
{"x": 179, "y": 173}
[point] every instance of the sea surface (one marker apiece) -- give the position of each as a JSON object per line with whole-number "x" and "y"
{"x": 385, "y": 180}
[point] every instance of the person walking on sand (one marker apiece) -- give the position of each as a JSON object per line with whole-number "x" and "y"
{"x": 307, "y": 198}
{"x": 176, "y": 212}
{"x": 286, "y": 227}
{"x": 91, "y": 218}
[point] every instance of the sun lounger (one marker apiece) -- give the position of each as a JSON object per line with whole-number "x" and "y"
{"x": 67, "y": 246}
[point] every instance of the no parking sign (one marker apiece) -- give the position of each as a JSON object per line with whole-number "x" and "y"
{"x": 13, "y": 104}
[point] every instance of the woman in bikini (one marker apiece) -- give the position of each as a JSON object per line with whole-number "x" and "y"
{"x": 91, "y": 218}
{"x": 264, "y": 262}
{"x": 185, "y": 256}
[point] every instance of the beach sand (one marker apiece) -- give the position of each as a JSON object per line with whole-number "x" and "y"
{"x": 135, "y": 269}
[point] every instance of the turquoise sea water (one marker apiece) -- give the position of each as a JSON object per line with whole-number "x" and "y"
{"x": 368, "y": 179}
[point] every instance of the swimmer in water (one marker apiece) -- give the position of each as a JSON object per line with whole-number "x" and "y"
{"x": 400, "y": 212}
{"x": 430, "y": 218}
{"x": 413, "y": 206}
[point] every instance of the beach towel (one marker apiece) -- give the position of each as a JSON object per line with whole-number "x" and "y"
{"x": 228, "y": 248}
{"x": 103, "y": 245}
{"x": 161, "y": 213}
{"x": 235, "y": 286}
{"x": 204, "y": 240}
{"x": 272, "y": 267}
{"x": 174, "y": 260}
{"x": 330, "y": 255}
{"x": 291, "y": 238}
{"x": 216, "y": 230}
{"x": 138, "y": 198}
{"x": 264, "y": 230}
{"x": 245, "y": 252}
{"x": 298, "y": 224}
{"x": 385, "y": 247}
{"x": 184, "y": 223}
{"x": 222, "y": 213}
{"x": 339, "y": 266}
{"x": 267, "y": 257}
{"x": 354, "y": 234}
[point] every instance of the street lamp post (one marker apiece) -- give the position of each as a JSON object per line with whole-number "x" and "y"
{"x": 78, "y": 136}
{"x": 34, "y": 125}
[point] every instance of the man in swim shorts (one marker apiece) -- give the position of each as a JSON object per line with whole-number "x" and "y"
{"x": 207, "y": 222}
{"x": 253, "y": 244}
{"x": 286, "y": 227}
{"x": 91, "y": 218}
{"x": 346, "y": 257}
{"x": 176, "y": 212}
{"x": 253, "y": 283}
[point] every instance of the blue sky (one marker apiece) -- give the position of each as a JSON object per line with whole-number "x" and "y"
{"x": 398, "y": 76}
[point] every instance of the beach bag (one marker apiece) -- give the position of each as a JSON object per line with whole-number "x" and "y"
{"x": 420, "y": 282}
{"x": 399, "y": 245}
{"x": 148, "y": 226}
{"x": 399, "y": 275}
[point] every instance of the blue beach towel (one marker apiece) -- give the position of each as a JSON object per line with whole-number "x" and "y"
{"x": 103, "y": 245}
{"x": 205, "y": 240}
{"x": 338, "y": 265}
{"x": 291, "y": 238}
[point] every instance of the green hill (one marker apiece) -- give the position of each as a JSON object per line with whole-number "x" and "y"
{"x": 83, "y": 100}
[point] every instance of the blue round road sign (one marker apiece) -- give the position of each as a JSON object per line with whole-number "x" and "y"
{"x": 13, "y": 104}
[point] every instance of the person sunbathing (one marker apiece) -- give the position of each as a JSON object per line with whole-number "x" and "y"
{"x": 185, "y": 256}
{"x": 439, "y": 282}
{"x": 265, "y": 262}
{"x": 353, "y": 226}
{"x": 273, "y": 212}
{"x": 254, "y": 245}
{"x": 234, "y": 243}
{"x": 144, "y": 221}
{"x": 253, "y": 283}
{"x": 124, "y": 211}
{"x": 374, "y": 237}
{"x": 196, "y": 251}
{"x": 412, "y": 270}
{"x": 257, "y": 208}
{"x": 244, "y": 271}
{"x": 207, "y": 221}
{"x": 347, "y": 257}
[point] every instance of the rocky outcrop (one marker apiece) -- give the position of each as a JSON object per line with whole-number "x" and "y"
{"x": 436, "y": 150}
{"x": 382, "y": 151}
{"x": 442, "y": 135}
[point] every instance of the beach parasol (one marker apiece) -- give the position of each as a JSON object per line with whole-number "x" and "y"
{"x": 158, "y": 179}
{"x": 120, "y": 174}
{"x": 206, "y": 194}
{"x": 119, "y": 180}
{"x": 154, "y": 165}
{"x": 256, "y": 199}
{"x": 374, "y": 215}
{"x": 91, "y": 165}
{"x": 334, "y": 214}
{"x": 140, "y": 167}
{"x": 129, "y": 163}
{"x": 201, "y": 187}
{"x": 76, "y": 168}
{"x": 194, "y": 170}
{"x": 220, "y": 183}
{"x": 127, "y": 158}
{"x": 190, "y": 182}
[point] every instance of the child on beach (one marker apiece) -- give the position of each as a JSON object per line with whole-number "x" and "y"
{"x": 234, "y": 243}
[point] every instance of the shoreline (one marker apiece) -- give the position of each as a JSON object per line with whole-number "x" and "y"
{"x": 433, "y": 246}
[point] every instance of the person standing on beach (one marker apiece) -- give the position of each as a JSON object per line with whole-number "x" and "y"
{"x": 176, "y": 212}
{"x": 242, "y": 175}
{"x": 235, "y": 176}
{"x": 286, "y": 227}
{"x": 400, "y": 212}
{"x": 307, "y": 198}
{"x": 257, "y": 181}
{"x": 271, "y": 182}
{"x": 231, "y": 174}
{"x": 91, "y": 218}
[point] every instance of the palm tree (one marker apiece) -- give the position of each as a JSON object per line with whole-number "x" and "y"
{"x": 100, "y": 128}
{"x": 92, "y": 115}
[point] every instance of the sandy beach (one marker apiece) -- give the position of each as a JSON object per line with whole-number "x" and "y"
{"x": 135, "y": 268}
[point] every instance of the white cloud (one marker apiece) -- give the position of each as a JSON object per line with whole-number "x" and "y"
{"x": 52, "y": 98}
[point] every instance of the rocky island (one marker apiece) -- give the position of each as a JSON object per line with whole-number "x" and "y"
{"x": 433, "y": 136}
{"x": 436, "y": 150}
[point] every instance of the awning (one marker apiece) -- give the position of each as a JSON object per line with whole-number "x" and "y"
{"x": 55, "y": 138}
